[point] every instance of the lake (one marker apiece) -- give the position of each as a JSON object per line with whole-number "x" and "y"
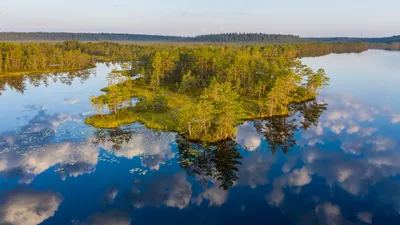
{"x": 334, "y": 161}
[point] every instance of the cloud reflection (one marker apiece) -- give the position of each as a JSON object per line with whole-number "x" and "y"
{"x": 25, "y": 207}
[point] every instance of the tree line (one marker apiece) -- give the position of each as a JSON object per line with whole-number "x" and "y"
{"x": 382, "y": 40}
{"x": 40, "y": 57}
{"x": 93, "y": 37}
{"x": 223, "y": 37}
{"x": 37, "y": 57}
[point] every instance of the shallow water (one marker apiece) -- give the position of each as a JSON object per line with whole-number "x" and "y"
{"x": 335, "y": 161}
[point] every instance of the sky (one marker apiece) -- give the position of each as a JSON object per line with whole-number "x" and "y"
{"x": 307, "y": 18}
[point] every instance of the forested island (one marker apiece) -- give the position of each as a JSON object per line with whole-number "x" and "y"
{"x": 204, "y": 92}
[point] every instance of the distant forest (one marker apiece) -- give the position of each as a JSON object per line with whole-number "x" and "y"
{"x": 383, "y": 40}
{"x": 228, "y": 37}
{"x": 215, "y": 38}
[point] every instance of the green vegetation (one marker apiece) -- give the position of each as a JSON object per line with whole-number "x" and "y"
{"x": 203, "y": 92}
{"x": 34, "y": 58}
{"x": 29, "y": 58}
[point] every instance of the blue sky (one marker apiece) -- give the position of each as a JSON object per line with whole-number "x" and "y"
{"x": 192, "y": 17}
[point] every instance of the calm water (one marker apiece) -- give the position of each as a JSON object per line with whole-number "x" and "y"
{"x": 334, "y": 161}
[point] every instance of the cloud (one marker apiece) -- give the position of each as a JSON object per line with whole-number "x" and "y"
{"x": 74, "y": 160}
{"x": 32, "y": 149}
{"x": 108, "y": 218}
{"x": 70, "y": 101}
{"x": 215, "y": 196}
{"x": 395, "y": 118}
{"x": 366, "y": 217}
{"x": 354, "y": 147}
{"x": 248, "y": 137}
{"x": 296, "y": 178}
{"x": 382, "y": 143}
{"x": 153, "y": 148}
{"x": 328, "y": 214}
{"x": 353, "y": 129}
{"x": 170, "y": 190}
{"x": 254, "y": 169}
{"x": 110, "y": 195}
{"x": 23, "y": 207}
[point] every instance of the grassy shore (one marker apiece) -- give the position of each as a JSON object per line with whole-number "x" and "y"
{"x": 165, "y": 121}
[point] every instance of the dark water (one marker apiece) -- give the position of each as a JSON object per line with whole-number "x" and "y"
{"x": 334, "y": 161}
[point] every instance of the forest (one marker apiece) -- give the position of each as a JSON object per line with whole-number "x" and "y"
{"x": 382, "y": 40}
{"x": 25, "y": 58}
{"x": 118, "y": 37}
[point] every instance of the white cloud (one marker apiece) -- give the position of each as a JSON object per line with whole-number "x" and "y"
{"x": 248, "y": 137}
{"x": 215, "y": 195}
{"x": 254, "y": 169}
{"x": 353, "y": 129}
{"x": 154, "y": 149}
{"x": 28, "y": 207}
{"x": 70, "y": 101}
{"x": 382, "y": 143}
{"x": 74, "y": 160}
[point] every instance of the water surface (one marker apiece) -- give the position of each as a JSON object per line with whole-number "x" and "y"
{"x": 336, "y": 160}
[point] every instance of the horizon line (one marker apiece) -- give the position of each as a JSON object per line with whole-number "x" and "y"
{"x": 183, "y": 36}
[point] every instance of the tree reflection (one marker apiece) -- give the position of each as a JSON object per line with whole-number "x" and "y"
{"x": 118, "y": 137}
{"x": 310, "y": 112}
{"x": 218, "y": 161}
{"x": 19, "y": 83}
{"x": 279, "y": 132}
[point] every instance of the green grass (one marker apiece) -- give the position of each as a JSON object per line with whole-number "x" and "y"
{"x": 157, "y": 121}
{"x": 167, "y": 120}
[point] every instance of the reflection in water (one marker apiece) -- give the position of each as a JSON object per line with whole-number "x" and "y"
{"x": 219, "y": 161}
{"x": 19, "y": 83}
{"x": 110, "y": 218}
{"x": 279, "y": 131}
{"x": 116, "y": 137}
{"x": 341, "y": 165}
{"x": 28, "y": 207}
{"x": 132, "y": 141}
{"x": 169, "y": 190}
{"x": 36, "y": 146}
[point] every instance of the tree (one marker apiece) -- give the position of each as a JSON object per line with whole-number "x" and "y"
{"x": 317, "y": 81}
{"x": 155, "y": 70}
{"x": 98, "y": 103}
{"x": 227, "y": 108}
